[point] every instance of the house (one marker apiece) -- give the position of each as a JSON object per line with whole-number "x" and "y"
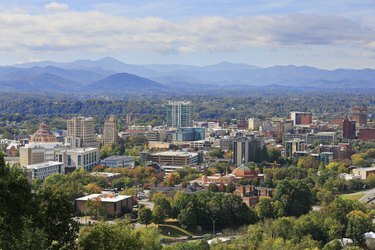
{"x": 250, "y": 194}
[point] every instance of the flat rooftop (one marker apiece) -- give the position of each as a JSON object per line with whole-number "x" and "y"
{"x": 44, "y": 165}
{"x": 175, "y": 153}
{"x": 104, "y": 197}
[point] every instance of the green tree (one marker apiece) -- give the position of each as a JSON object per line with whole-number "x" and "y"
{"x": 265, "y": 208}
{"x": 188, "y": 217}
{"x": 358, "y": 224}
{"x": 145, "y": 216}
{"x": 158, "y": 215}
{"x": 295, "y": 195}
{"x": 102, "y": 235}
{"x": 165, "y": 206}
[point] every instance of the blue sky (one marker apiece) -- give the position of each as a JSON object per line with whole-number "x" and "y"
{"x": 326, "y": 34}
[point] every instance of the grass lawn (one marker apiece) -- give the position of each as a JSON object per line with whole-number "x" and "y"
{"x": 353, "y": 197}
{"x": 172, "y": 229}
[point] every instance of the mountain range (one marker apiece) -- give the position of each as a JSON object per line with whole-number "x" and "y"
{"x": 109, "y": 75}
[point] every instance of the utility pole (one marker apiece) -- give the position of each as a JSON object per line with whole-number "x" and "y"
{"x": 213, "y": 226}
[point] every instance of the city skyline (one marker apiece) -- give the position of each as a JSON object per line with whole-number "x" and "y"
{"x": 263, "y": 33}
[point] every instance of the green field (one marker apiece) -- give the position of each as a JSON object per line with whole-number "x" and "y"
{"x": 353, "y": 197}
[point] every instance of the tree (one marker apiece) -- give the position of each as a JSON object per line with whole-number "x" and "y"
{"x": 158, "y": 216}
{"x": 358, "y": 224}
{"x": 150, "y": 238}
{"x": 212, "y": 187}
{"x": 295, "y": 195}
{"x": 145, "y": 216}
{"x": 265, "y": 208}
{"x": 102, "y": 235}
{"x": 308, "y": 162}
{"x": 164, "y": 204}
{"x": 188, "y": 217}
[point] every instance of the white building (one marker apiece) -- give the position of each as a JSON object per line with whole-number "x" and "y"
{"x": 41, "y": 171}
{"x": 86, "y": 158}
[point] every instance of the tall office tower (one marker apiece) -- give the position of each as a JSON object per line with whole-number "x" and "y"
{"x": 359, "y": 115}
{"x": 179, "y": 114}
{"x": 348, "y": 129}
{"x": 301, "y": 118}
{"x": 81, "y": 132}
{"x": 110, "y": 133}
{"x": 245, "y": 149}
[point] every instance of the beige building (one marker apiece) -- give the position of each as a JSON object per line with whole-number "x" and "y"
{"x": 110, "y": 133}
{"x": 174, "y": 158}
{"x": 81, "y": 132}
{"x": 29, "y": 156}
{"x": 364, "y": 172}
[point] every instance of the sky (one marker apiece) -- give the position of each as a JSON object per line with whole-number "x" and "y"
{"x": 320, "y": 33}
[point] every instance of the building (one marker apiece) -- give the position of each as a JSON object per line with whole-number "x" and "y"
{"x": 114, "y": 205}
{"x": 253, "y": 124}
{"x": 348, "y": 129}
{"x": 325, "y": 157}
{"x": 301, "y": 118}
{"x": 118, "y": 161}
{"x": 323, "y": 137}
{"x": 85, "y": 158}
{"x": 250, "y": 194}
{"x": 174, "y": 158}
{"x": 31, "y": 155}
{"x": 110, "y": 133}
{"x": 245, "y": 149}
{"x": 40, "y": 171}
{"x": 43, "y": 134}
{"x": 364, "y": 172}
{"x": 81, "y": 132}
{"x": 189, "y": 134}
{"x": 359, "y": 115}
{"x": 293, "y": 146}
{"x": 179, "y": 114}
{"x": 156, "y": 135}
{"x": 366, "y": 134}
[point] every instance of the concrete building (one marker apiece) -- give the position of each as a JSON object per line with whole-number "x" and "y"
{"x": 359, "y": 115}
{"x": 110, "y": 133}
{"x": 293, "y": 146}
{"x": 253, "y": 124}
{"x": 245, "y": 149}
{"x": 81, "y": 132}
{"x": 118, "y": 161}
{"x": 114, "y": 205}
{"x": 41, "y": 171}
{"x": 156, "y": 135}
{"x": 179, "y": 114}
{"x": 364, "y": 172}
{"x": 174, "y": 158}
{"x": 29, "y": 156}
{"x": 85, "y": 158}
{"x": 301, "y": 118}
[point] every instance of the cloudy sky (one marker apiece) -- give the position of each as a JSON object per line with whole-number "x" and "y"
{"x": 321, "y": 33}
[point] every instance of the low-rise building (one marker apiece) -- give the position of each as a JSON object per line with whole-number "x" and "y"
{"x": 114, "y": 205}
{"x": 364, "y": 172}
{"x": 86, "y": 158}
{"x": 41, "y": 171}
{"x": 173, "y": 158}
{"x": 118, "y": 161}
{"x": 250, "y": 194}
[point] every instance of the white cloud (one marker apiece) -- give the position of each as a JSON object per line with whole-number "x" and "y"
{"x": 95, "y": 31}
{"x": 54, "y": 6}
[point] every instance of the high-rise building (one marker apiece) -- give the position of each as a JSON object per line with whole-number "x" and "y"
{"x": 245, "y": 149}
{"x": 253, "y": 124}
{"x": 81, "y": 132}
{"x": 294, "y": 146}
{"x": 179, "y": 114}
{"x": 359, "y": 115}
{"x": 110, "y": 133}
{"x": 348, "y": 129}
{"x": 301, "y": 118}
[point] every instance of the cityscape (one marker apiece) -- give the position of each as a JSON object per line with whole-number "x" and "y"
{"x": 202, "y": 125}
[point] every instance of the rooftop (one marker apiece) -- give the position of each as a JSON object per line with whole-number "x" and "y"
{"x": 44, "y": 165}
{"x": 175, "y": 153}
{"x": 104, "y": 197}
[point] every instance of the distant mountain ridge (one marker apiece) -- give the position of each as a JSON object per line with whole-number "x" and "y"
{"x": 111, "y": 75}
